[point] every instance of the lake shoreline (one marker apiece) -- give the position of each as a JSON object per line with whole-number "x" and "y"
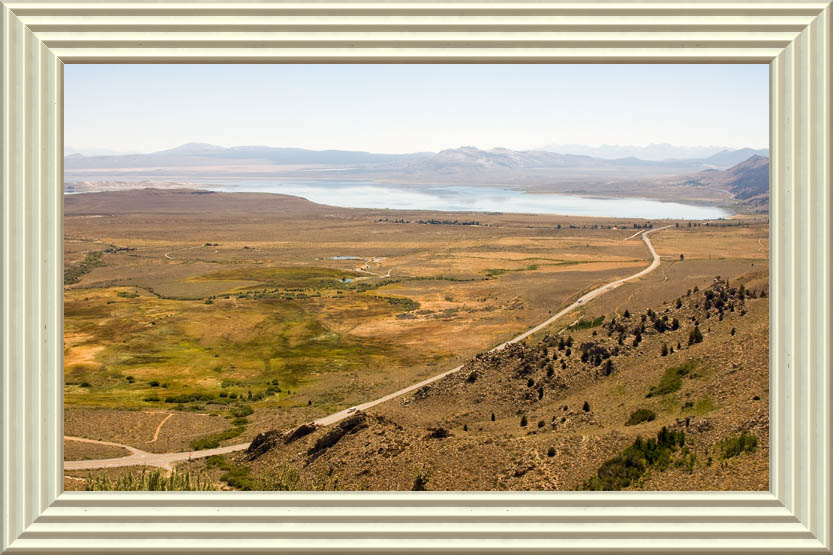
{"x": 452, "y": 198}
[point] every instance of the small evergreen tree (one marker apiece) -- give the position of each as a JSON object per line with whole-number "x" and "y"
{"x": 608, "y": 367}
{"x": 695, "y": 336}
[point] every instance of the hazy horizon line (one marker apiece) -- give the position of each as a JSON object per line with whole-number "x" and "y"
{"x": 545, "y": 148}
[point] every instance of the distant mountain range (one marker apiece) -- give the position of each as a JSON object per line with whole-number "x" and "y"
{"x": 463, "y": 159}
{"x": 655, "y": 152}
{"x": 201, "y": 154}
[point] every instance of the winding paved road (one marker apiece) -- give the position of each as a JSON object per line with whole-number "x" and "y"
{"x": 167, "y": 460}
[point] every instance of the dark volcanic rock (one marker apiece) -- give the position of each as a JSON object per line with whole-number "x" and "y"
{"x": 299, "y": 432}
{"x": 263, "y": 442}
{"x": 351, "y": 424}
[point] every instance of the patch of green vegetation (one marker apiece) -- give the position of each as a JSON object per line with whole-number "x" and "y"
{"x": 216, "y": 461}
{"x": 686, "y": 461}
{"x": 492, "y": 272}
{"x": 126, "y": 295}
{"x": 641, "y": 415}
{"x": 213, "y": 441}
{"x": 635, "y": 460}
{"x": 239, "y": 478}
{"x": 733, "y": 446}
{"x": 403, "y": 303}
{"x": 307, "y": 277}
{"x": 672, "y": 380}
{"x": 91, "y": 260}
{"x": 283, "y": 340}
{"x": 586, "y": 324}
{"x": 154, "y": 480}
{"x": 242, "y": 411}
{"x": 188, "y": 398}
{"x": 701, "y": 407}
{"x": 284, "y": 478}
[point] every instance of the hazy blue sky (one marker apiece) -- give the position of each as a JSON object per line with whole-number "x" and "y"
{"x": 407, "y": 108}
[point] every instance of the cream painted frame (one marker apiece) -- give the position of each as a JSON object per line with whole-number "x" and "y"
{"x": 38, "y": 37}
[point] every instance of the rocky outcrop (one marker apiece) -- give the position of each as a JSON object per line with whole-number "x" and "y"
{"x": 351, "y": 425}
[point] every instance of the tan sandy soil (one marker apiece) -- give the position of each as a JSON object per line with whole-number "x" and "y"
{"x": 82, "y": 451}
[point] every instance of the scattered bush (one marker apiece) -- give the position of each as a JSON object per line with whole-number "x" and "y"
{"x": 639, "y": 416}
{"x": 586, "y": 407}
{"x": 695, "y": 336}
{"x": 242, "y": 411}
{"x": 213, "y": 441}
{"x": 188, "y": 398}
{"x": 155, "y": 480}
{"x": 583, "y": 324}
{"x": 733, "y": 446}
{"x": 421, "y": 480}
{"x": 91, "y": 260}
{"x": 635, "y": 460}
{"x": 672, "y": 380}
{"x": 551, "y": 452}
{"x": 608, "y": 368}
{"x": 238, "y": 477}
{"x": 524, "y": 421}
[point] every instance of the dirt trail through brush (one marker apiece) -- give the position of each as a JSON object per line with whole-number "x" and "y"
{"x": 159, "y": 427}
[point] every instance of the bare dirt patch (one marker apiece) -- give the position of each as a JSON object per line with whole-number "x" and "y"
{"x": 83, "y": 451}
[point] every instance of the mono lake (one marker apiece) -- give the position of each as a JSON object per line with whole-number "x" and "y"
{"x": 478, "y": 199}
{"x": 457, "y": 198}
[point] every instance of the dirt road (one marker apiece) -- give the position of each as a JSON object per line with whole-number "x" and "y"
{"x": 138, "y": 457}
{"x": 166, "y": 460}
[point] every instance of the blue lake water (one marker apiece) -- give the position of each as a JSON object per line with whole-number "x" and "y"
{"x": 457, "y": 198}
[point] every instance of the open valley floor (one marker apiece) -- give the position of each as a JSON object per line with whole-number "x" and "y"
{"x": 199, "y": 320}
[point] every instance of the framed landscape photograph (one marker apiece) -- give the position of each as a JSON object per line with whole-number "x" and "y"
{"x": 403, "y": 276}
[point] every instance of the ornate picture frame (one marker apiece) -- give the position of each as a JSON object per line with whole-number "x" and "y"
{"x": 794, "y": 38}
